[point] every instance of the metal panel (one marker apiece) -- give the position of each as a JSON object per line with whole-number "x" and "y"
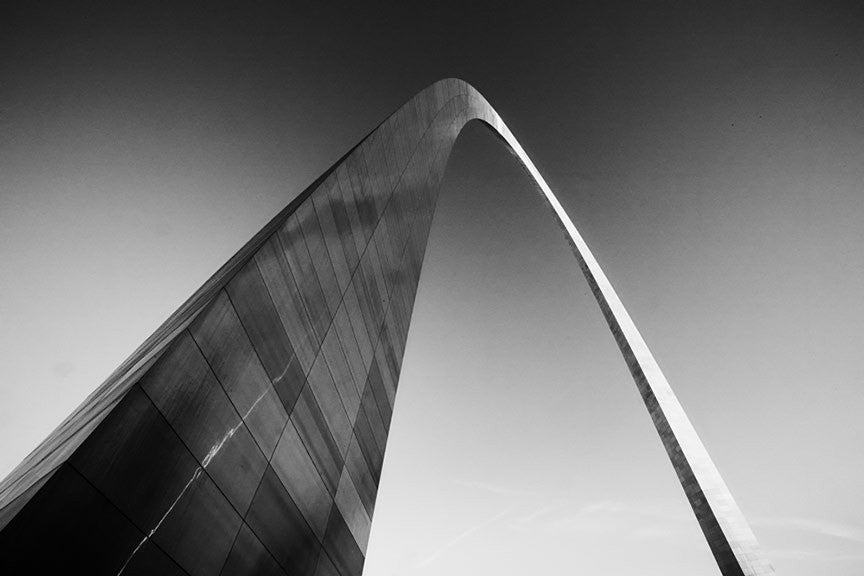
{"x": 249, "y": 556}
{"x": 341, "y": 546}
{"x": 312, "y": 427}
{"x": 358, "y": 468}
{"x": 177, "y": 505}
{"x": 341, "y": 373}
{"x": 314, "y": 237}
{"x": 257, "y": 313}
{"x": 86, "y": 531}
{"x": 224, "y": 343}
{"x": 288, "y": 301}
{"x": 352, "y": 510}
{"x": 330, "y": 232}
{"x": 345, "y": 331}
{"x": 296, "y": 252}
{"x": 355, "y": 315}
{"x": 279, "y": 525}
{"x": 190, "y": 398}
{"x": 297, "y": 471}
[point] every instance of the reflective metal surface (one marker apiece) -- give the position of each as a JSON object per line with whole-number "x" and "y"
{"x": 247, "y": 434}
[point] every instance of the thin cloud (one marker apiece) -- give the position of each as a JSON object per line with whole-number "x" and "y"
{"x": 605, "y": 506}
{"x": 526, "y": 520}
{"x": 595, "y": 517}
{"x": 798, "y": 554}
{"x": 462, "y": 536}
{"x": 851, "y": 532}
{"x": 492, "y": 488}
{"x": 639, "y": 521}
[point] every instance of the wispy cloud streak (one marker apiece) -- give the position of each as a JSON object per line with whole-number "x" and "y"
{"x": 851, "y": 532}
{"x": 492, "y": 488}
{"x": 462, "y": 536}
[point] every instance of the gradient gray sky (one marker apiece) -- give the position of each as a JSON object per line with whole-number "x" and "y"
{"x": 711, "y": 154}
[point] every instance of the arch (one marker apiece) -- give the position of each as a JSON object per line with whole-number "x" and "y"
{"x": 247, "y": 433}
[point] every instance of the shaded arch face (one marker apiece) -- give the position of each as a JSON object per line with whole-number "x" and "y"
{"x": 247, "y": 435}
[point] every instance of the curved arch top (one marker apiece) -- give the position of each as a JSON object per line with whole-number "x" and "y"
{"x": 247, "y": 434}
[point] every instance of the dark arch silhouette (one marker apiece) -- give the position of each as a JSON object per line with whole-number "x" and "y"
{"x": 247, "y": 434}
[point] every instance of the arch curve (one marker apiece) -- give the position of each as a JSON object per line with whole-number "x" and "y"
{"x": 247, "y": 433}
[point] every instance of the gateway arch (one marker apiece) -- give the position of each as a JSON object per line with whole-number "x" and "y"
{"x": 247, "y": 434}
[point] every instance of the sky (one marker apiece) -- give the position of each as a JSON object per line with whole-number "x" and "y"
{"x": 711, "y": 154}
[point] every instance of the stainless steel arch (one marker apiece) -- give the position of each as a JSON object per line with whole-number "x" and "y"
{"x": 291, "y": 353}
